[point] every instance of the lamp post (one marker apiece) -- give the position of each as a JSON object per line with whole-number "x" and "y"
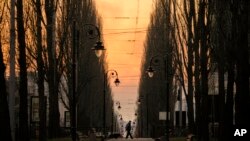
{"x": 73, "y": 122}
{"x": 150, "y": 72}
{"x": 113, "y": 73}
{"x": 92, "y": 32}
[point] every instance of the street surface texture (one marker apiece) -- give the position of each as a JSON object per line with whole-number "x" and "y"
{"x": 134, "y": 139}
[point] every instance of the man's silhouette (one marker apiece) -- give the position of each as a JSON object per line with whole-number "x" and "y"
{"x": 128, "y": 129}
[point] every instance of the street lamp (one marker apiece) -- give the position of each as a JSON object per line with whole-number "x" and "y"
{"x": 150, "y": 72}
{"x": 139, "y": 101}
{"x": 92, "y": 32}
{"x": 113, "y": 73}
{"x": 119, "y": 105}
{"x": 98, "y": 48}
{"x": 120, "y": 116}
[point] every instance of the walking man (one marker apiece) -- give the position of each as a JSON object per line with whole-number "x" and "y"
{"x": 128, "y": 129}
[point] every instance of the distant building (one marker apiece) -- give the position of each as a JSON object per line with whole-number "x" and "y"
{"x": 33, "y": 101}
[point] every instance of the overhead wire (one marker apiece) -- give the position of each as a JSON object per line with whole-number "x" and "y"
{"x": 124, "y": 32}
{"x": 136, "y": 25}
{"x": 123, "y": 28}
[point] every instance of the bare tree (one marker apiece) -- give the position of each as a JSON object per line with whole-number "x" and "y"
{"x": 159, "y": 89}
{"x": 54, "y": 115}
{"x": 12, "y": 80}
{"x": 185, "y": 21}
{"x": 222, "y": 46}
{"x": 23, "y": 92}
{"x": 204, "y": 52}
{"x": 239, "y": 26}
{"x": 41, "y": 73}
{"x": 4, "y": 110}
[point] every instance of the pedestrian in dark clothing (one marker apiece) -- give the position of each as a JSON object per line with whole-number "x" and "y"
{"x": 128, "y": 129}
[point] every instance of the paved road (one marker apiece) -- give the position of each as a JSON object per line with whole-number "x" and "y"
{"x": 134, "y": 139}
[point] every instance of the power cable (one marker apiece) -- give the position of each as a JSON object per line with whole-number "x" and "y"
{"x": 125, "y": 32}
{"x": 136, "y": 23}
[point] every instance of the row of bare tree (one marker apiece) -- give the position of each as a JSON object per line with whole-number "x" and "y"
{"x": 45, "y": 33}
{"x": 199, "y": 39}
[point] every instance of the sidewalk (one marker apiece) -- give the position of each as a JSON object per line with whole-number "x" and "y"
{"x": 147, "y": 139}
{"x": 134, "y": 139}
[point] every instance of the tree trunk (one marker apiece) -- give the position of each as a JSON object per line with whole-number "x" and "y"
{"x": 54, "y": 120}
{"x": 221, "y": 97}
{"x": 41, "y": 73}
{"x": 12, "y": 79}
{"x": 190, "y": 51}
{"x": 190, "y": 95}
{"x": 220, "y": 54}
{"x": 4, "y": 109}
{"x": 197, "y": 77}
{"x": 242, "y": 97}
{"x": 23, "y": 92}
{"x": 229, "y": 113}
{"x": 204, "y": 72}
{"x": 197, "y": 88}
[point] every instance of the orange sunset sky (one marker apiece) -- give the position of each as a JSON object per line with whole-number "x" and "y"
{"x": 125, "y": 25}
